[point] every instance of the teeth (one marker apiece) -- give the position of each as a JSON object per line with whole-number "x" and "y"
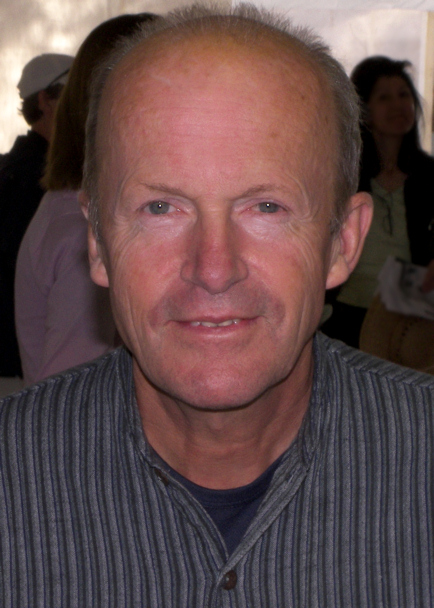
{"x": 228, "y": 322}
{"x": 209, "y": 324}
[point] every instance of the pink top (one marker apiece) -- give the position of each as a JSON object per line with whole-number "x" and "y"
{"x": 62, "y": 317}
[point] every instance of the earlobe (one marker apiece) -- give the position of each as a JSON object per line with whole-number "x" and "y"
{"x": 349, "y": 242}
{"x": 98, "y": 271}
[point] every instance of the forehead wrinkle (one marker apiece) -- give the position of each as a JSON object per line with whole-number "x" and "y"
{"x": 169, "y": 63}
{"x": 250, "y": 192}
{"x": 300, "y": 84}
{"x": 194, "y": 109}
{"x": 214, "y": 52}
{"x": 183, "y": 49}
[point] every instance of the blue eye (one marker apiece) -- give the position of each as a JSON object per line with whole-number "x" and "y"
{"x": 268, "y": 207}
{"x": 159, "y": 208}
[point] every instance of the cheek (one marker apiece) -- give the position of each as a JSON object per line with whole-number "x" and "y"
{"x": 285, "y": 282}
{"x": 375, "y": 116}
{"x": 303, "y": 257}
{"x": 411, "y": 112}
{"x": 295, "y": 270}
{"x": 139, "y": 276}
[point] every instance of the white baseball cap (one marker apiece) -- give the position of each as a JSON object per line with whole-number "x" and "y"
{"x": 43, "y": 71}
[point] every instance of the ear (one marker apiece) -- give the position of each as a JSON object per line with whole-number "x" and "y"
{"x": 348, "y": 243}
{"x": 42, "y": 100}
{"x": 46, "y": 104}
{"x": 98, "y": 270}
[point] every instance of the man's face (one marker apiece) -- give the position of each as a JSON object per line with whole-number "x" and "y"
{"x": 216, "y": 186}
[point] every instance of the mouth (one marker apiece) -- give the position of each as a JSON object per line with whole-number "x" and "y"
{"x": 225, "y": 323}
{"x": 400, "y": 117}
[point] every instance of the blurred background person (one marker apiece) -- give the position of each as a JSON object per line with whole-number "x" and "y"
{"x": 400, "y": 177}
{"x": 62, "y": 317}
{"x": 21, "y": 169}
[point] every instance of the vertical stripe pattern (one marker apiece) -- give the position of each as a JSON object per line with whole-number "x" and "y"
{"x": 90, "y": 518}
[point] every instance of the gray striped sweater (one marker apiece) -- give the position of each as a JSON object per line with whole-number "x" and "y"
{"x": 90, "y": 518}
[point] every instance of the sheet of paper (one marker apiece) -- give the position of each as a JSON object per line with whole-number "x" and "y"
{"x": 399, "y": 285}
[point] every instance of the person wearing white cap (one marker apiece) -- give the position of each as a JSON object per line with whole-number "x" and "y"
{"x": 40, "y": 85}
{"x": 41, "y": 82}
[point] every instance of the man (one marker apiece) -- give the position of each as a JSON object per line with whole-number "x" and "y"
{"x": 21, "y": 170}
{"x": 228, "y": 456}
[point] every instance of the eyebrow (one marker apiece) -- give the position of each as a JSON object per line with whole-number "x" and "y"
{"x": 254, "y": 190}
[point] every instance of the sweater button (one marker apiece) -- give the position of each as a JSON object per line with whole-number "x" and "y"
{"x": 161, "y": 476}
{"x": 229, "y": 580}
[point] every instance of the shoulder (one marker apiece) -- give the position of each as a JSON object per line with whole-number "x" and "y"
{"x": 59, "y": 205}
{"x": 66, "y": 228}
{"x": 80, "y": 391}
{"x": 374, "y": 404}
{"x": 26, "y": 147}
{"x": 58, "y": 213}
{"x": 426, "y": 158}
{"x": 20, "y": 172}
{"x": 373, "y": 382}
{"x": 422, "y": 167}
{"x": 354, "y": 361}
{"x": 379, "y": 424}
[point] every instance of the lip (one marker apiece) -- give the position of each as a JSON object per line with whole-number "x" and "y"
{"x": 213, "y": 324}
{"x": 216, "y": 324}
{"x": 399, "y": 117}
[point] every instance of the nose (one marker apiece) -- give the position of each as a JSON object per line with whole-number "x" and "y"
{"x": 214, "y": 256}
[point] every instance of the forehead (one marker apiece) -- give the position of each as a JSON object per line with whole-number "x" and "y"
{"x": 390, "y": 82}
{"x": 215, "y": 89}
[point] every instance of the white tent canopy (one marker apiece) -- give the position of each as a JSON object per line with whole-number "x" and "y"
{"x": 354, "y": 29}
{"x": 418, "y": 5}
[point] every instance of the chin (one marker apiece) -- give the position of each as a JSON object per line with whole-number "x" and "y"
{"x": 218, "y": 401}
{"x": 203, "y": 396}
{"x": 220, "y": 392}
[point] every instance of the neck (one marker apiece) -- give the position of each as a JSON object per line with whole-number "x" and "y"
{"x": 43, "y": 127}
{"x": 226, "y": 448}
{"x": 388, "y": 148}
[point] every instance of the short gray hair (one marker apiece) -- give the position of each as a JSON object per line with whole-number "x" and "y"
{"x": 248, "y": 23}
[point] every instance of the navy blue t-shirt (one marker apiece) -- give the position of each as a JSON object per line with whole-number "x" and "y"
{"x": 232, "y": 510}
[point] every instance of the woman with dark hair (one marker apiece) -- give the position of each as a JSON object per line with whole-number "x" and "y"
{"x": 400, "y": 178}
{"x": 62, "y": 318}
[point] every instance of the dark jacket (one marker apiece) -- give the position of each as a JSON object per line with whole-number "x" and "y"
{"x": 419, "y": 204}
{"x": 20, "y": 193}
